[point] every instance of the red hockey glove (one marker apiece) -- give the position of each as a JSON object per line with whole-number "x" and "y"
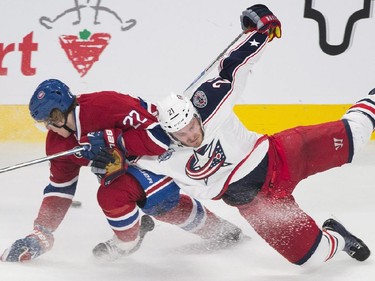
{"x": 260, "y": 18}
{"x": 32, "y": 246}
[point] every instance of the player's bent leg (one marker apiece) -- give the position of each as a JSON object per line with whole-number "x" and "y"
{"x": 284, "y": 226}
{"x": 115, "y": 248}
{"x": 165, "y": 203}
{"x": 119, "y": 204}
{"x": 190, "y": 215}
{"x": 296, "y": 236}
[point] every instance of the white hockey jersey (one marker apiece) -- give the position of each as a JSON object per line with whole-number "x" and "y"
{"x": 229, "y": 151}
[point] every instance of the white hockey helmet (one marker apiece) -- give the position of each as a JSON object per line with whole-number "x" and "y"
{"x": 175, "y": 112}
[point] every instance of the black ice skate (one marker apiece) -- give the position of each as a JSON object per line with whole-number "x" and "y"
{"x": 354, "y": 246}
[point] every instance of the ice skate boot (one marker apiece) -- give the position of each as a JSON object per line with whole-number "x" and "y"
{"x": 354, "y": 246}
{"x": 225, "y": 236}
{"x": 109, "y": 250}
{"x": 115, "y": 248}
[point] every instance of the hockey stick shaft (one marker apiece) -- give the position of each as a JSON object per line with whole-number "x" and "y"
{"x": 43, "y": 159}
{"x": 147, "y": 225}
{"x": 189, "y": 90}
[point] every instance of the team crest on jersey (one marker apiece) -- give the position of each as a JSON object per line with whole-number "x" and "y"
{"x": 206, "y": 161}
{"x": 200, "y": 99}
{"x": 166, "y": 155}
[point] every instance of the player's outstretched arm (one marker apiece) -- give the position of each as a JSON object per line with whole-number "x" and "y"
{"x": 51, "y": 213}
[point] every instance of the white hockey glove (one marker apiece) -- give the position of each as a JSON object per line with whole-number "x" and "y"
{"x": 259, "y": 17}
{"x": 32, "y": 246}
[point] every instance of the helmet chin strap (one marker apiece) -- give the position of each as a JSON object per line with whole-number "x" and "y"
{"x": 68, "y": 129}
{"x": 66, "y": 121}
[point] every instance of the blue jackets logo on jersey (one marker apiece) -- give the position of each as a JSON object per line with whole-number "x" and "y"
{"x": 200, "y": 99}
{"x": 206, "y": 161}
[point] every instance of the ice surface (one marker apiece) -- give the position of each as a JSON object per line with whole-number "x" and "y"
{"x": 168, "y": 253}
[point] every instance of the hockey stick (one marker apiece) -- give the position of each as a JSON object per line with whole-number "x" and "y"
{"x": 43, "y": 159}
{"x": 189, "y": 90}
{"x": 147, "y": 225}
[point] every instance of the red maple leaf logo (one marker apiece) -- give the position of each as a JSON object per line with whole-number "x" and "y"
{"x": 83, "y": 52}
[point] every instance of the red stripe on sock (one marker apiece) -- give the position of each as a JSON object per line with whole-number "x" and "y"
{"x": 332, "y": 243}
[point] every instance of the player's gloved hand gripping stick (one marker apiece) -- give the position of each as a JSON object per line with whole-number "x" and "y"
{"x": 92, "y": 151}
{"x": 107, "y": 152}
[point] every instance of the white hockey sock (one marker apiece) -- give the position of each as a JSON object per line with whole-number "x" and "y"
{"x": 196, "y": 219}
{"x": 329, "y": 246}
{"x": 361, "y": 126}
{"x": 366, "y": 106}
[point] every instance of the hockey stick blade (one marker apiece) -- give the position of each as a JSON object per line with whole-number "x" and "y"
{"x": 43, "y": 159}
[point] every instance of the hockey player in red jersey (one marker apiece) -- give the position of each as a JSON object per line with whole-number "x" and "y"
{"x": 128, "y": 125}
{"x": 215, "y": 157}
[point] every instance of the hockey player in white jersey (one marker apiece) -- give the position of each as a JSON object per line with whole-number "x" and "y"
{"x": 215, "y": 157}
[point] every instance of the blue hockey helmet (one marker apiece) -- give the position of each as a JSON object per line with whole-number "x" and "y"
{"x": 49, "y": 95}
